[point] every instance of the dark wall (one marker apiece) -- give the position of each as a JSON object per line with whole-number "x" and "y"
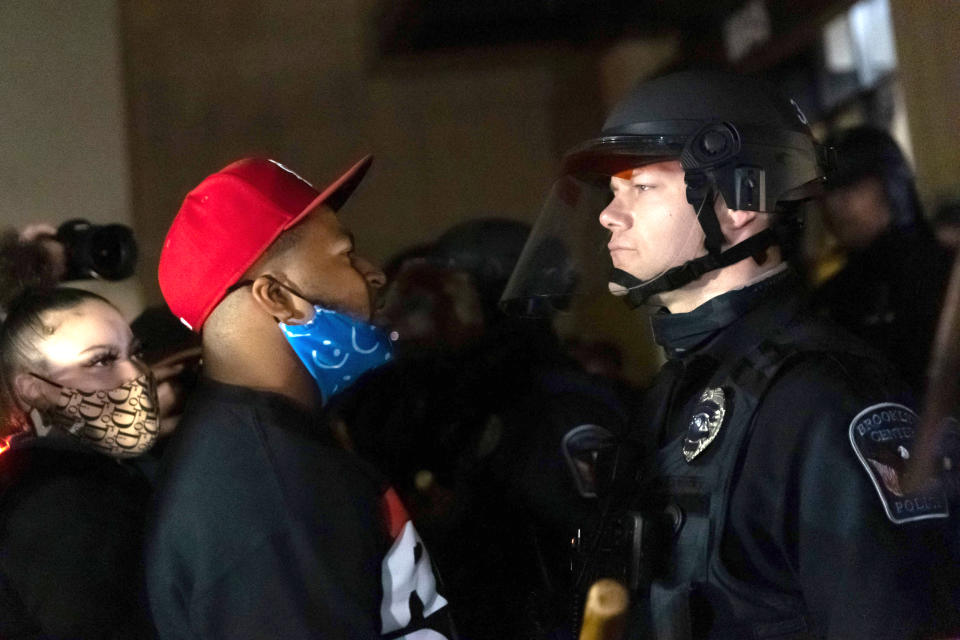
{"x": 456, "y": 135}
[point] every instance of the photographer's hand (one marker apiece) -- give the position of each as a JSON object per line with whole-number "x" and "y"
{"x": 37, "y": 230}
{"x": 44, "y": 235}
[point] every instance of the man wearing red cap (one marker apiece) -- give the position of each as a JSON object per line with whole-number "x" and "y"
{"x": 264, "y": 527}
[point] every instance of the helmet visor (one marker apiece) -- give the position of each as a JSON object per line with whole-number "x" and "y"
{"x": 567, "y": 254}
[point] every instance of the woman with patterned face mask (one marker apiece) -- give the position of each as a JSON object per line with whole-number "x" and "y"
{"x": 79, "y": 410}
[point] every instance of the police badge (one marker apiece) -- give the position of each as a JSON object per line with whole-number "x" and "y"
{"x": 705, "y": 423}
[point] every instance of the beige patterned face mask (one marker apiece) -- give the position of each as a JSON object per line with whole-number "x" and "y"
{"x": 123, "y": 422}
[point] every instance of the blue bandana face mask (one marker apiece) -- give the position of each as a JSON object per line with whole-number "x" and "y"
{"x": 337, "y": 349}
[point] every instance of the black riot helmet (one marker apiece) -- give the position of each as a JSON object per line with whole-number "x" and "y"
{"x": 485, "y": 248}
{"x": 734, "y": 136}
{"x": 868, "y": 152}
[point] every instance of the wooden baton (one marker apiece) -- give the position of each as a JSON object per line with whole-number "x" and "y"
{"x": 605, "y": 614}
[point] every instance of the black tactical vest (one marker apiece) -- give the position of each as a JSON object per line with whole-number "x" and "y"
{"x": 691, "y": 593}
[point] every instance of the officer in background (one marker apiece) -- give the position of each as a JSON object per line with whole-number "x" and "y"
{"x": 889, "y": 292}
{"x": 770, "y": 498}
{"x": 479, "y": 422}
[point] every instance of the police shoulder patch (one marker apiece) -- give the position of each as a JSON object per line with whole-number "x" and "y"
{"x": 882, "y": 437}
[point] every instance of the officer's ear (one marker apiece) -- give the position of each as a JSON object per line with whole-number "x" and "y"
{"x": 737, "y": 225}
{"x": 274, "y": 299}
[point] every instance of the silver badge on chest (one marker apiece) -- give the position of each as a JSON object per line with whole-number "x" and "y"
{"x": 705, "y": 423}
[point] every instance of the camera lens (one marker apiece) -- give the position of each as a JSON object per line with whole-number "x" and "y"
{"x": 113, "y": 252}
{"x": 98, "y": 251}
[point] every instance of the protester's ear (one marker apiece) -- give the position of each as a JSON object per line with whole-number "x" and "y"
{"x": 274, "y": 299}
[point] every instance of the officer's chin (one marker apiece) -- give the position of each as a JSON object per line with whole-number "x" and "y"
{"x": 617, "y": 289}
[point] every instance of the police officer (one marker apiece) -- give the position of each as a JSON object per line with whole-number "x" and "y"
{"x": 890, "y": 290}
{"x": 771, "y": 499}
{"x": 478, "y": 422}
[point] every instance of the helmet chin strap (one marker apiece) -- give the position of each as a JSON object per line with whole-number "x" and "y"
{"x": 638, "y": 291}
{"x": 701, "y": 194}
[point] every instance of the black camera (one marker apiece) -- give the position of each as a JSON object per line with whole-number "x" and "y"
{"x": 106, "y": 252}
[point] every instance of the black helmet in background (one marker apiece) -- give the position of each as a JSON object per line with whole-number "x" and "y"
{"x": 485, "y": 248}
{"x": 444, "y": 295}
{"x": 735, "y": 136}
{"x": 868, "y": 152}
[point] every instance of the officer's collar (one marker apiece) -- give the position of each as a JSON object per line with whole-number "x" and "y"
{"x": 683, "y": 334}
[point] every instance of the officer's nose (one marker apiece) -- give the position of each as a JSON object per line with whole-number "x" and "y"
{"x": 370, "y": 272}
{"x": 614, "y": 217}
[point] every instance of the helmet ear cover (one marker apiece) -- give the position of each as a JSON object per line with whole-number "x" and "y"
{"x": 712, "y": 145}
{"x": 709, "y": 163}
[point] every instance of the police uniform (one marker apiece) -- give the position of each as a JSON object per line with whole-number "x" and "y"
{"x": 775, "y": 445}
{"x": 889, "y": 292}
{"x": 889, "y": 295}
{"x": 767, "y": 496}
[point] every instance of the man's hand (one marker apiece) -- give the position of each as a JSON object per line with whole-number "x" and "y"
{"x": 170, "y": 391}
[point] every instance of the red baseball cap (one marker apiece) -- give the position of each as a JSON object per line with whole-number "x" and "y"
{"x": 228, "y": 221}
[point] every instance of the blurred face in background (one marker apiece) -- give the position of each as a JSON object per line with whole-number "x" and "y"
{"x": 857, "y": 214}
{"x": 949, "y": 235}
{"x": 427, "y": 307}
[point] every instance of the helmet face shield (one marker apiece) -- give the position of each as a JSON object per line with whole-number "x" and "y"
{"x": 567, "y": 253}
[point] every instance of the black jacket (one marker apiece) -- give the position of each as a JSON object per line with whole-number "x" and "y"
{"x": 890, "y": 295}
{"x": 71, "y": 534}
{"x": 263, "y": 528}
{"x": 780, "y": 525}
{"x": 489, "y": 422}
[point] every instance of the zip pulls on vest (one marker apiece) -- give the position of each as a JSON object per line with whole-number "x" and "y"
{"x": 334, "y": 347}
